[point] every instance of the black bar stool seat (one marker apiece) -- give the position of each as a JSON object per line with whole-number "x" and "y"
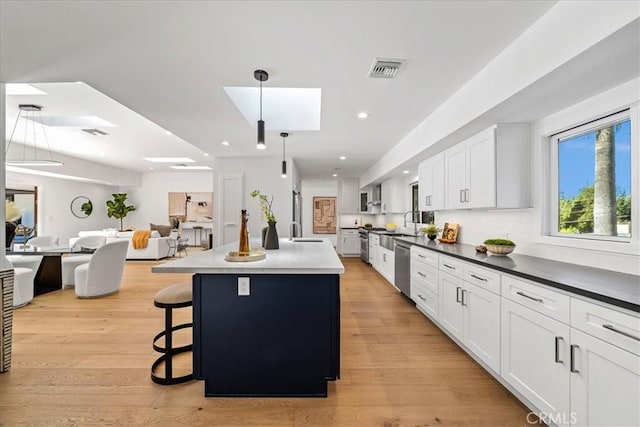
{"x": 174, "y": 296}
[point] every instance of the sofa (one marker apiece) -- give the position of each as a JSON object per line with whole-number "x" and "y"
{"x": 157, "y": 248}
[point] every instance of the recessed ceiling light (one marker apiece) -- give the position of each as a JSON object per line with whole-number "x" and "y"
{"x": 405, "y": 172}
{"x": 363, "y": 115}
{"x": 150, "y": 169}
{"x": 335, "y": 174}
{"x": 206, "y": 154}
{"x": 185, "y": 167}
{"x": 343, "y": 158}
{"x": 169, "y": 159}
{"x": 167, "y": 132}
{"x": 78, "y": 82}
{"x": 225, "y": 143}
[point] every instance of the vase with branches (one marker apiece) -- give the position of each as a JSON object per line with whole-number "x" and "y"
{"x": 270, "y": 233}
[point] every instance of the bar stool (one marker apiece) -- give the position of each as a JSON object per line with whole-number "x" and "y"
{"x": 174, "y": 296}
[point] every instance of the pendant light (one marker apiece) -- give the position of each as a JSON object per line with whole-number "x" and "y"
{"x": 261, "y": 76}
{"x": 284, "y": 135}
{"x": 32, "y": 118}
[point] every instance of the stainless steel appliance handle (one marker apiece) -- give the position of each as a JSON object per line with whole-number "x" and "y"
{"x": 618, "y": 331}
{"x": 478, "y": 277}
{"x": 558, "y": 339}
{"x": 522, "y": 294}
{"x": 573, "y": 359}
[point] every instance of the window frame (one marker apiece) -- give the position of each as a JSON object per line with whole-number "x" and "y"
{"x": 551, "y": 235}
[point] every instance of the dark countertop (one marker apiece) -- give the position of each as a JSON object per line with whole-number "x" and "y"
{"x": 619, "y": 289}
{"x": 350, "y": 228}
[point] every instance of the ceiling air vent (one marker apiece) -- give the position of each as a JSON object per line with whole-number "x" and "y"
{"x": 385, "y": 68}
{"x": 94, "y": 132}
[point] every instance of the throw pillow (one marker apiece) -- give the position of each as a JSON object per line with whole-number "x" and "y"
{"x": 164, "y": 230}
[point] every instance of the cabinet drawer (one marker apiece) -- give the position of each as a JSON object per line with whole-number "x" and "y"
{"x": 485, "y": 278}
{"x": 536, "y": 297}
{"x": 425, "y": 274}
{"x": 451, "y": 266}
{"x": 615, "y": 327}
{"x": 424, "y": 255}
{"x": 425, "y": 299}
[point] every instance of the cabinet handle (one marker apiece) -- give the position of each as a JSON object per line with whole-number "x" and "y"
{"x": 573, "y": 358}
{"x": 478, "y": 277}
{"x": 458, "y": 289}
{"x": 422, "y": 298}
{"x": 464, "y": 292}
{"x": 522, "y": 294}
{"x": 384, "y": 257}
{"x": 449, "y": 266}
{"x": 466, "y": 195}
{"x": 461, "y": 196}
{"x": 426, "y": 200}
{"x": 558, "y": 339}
{"x": 421, "y": 256}
{"x": 422, "y": 274}
{"x": 618, "y": 331}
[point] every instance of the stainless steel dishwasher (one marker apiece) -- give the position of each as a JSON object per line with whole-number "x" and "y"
{"x": 403, "y": 268}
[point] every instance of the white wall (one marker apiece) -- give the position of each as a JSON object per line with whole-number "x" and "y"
{"x": 311, "y": 189}
{"x": 259, "y": 174}
{"x": 54, "y": 204}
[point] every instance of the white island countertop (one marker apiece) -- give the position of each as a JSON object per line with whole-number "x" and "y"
{"x": 298, "y": 257}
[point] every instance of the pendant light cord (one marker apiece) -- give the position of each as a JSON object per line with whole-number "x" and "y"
{"x": 260, "y": 99}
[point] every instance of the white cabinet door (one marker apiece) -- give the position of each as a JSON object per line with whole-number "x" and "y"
{"x": 387, "y": 264}
{"x": 456, "y": 177}
{"x": 605, "y": 390}
{"x": 374, "y": 245}
{"x": 534, "y": 358}
{"x": 431, "y": 184}
{"x": 481, "y": 171}
{"x": 349, "y": 197}
{"x": 482, "y": 324}
{"x": 451, "y": 309}
{"x": 350, "y": 242}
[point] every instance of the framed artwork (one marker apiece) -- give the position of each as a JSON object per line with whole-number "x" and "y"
{"x": 324, "y": 215}
{"x": 449, "y": 232}
{"x": 190, "y": 207}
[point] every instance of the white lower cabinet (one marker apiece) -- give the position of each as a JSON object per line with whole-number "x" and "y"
{"x": 605, "y": 383}
{"x": 450, "y": 302}
{"x": 386, "y": 264}
{"x": 535, "y": 358}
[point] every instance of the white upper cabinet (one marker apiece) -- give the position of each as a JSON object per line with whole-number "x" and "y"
{"x": 349, "y": 196}
{"x": 396, "y": 195}
{"x": 431, "y": 184}
{"x": 489, "y": 170}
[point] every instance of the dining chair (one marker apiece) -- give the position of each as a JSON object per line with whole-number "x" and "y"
{"x": 42, "y": 242}
{"x": 71, "y": 261}
{"x": 102, "y": 275}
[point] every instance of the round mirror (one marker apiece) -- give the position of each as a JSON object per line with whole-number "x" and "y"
{"x": 81, "y": 207}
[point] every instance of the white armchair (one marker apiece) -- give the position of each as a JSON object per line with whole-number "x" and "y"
{"x": 70, "y": 262}
{"x": 22, "y": 285}
{"x": 102, "y": 275}
{"x": 43, "y": 242}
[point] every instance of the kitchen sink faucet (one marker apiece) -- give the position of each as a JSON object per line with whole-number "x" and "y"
{"x": 415, "y": 224}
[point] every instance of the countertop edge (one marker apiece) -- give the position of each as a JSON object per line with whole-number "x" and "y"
{"x": 544, "y": 281}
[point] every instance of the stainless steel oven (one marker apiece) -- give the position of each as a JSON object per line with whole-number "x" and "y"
{"x": 364, "y": 246}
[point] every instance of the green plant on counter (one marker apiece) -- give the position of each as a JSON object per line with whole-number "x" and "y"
{"x": 430, "y": 229}
{"x": 499, "y": 242}
{"x": 265, "y": 205}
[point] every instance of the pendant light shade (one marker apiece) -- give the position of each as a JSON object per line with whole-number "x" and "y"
{"x": 284, "y": 135}
{"x": 261, "y": 76}
{"x": 32, "y": 119}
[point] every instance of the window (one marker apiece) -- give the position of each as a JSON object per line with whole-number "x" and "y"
{"x": 591, "y": 172}
{"x": 415, "y": 215}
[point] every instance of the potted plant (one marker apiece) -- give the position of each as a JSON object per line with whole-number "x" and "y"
{"x": 499, "y": 246}
{"x": 431, "y": 231}
{"x": 269, "y": 233}
{"x": 117, "y": 208}
{"x": 368, "y": 225}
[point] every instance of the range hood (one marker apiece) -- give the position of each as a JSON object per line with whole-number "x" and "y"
{"x": 376, "y": 196}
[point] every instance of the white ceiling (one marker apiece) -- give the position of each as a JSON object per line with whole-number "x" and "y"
{"x": 170, "y": 61}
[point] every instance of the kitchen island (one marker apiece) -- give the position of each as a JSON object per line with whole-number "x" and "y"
{"x": 268, "y": 327}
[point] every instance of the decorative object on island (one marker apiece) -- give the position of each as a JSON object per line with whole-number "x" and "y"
{"x": 500, "y": 247}
{"x": 261, "y": 76}
{"x": 32, "y": 119}
{"x": 81, "y": 207}
{"x": 449, "y": 233}
{"x": 117, "y": 208}
{"x": 481, "y": 249}
{"x": 431, "y": 231}
{"x": 270, "y": 239}
{"x": 324, "y": 215}
{"x": 391, "y": 226}
{"x": 243, "y": 242}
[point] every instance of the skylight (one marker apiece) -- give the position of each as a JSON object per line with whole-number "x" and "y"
{"x": 185, "y": 167}
{"x": 169, "y": 159}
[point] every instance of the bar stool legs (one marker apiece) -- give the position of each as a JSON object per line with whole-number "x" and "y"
{"x": 175, "y": 296}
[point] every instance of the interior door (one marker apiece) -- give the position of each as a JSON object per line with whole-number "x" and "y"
{"x": 230, "y": 189}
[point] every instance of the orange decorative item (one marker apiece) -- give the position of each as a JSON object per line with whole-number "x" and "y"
{"x": 243, "y": 248}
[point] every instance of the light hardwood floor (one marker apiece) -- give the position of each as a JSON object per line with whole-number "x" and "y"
{"x": 86, "y": 362}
